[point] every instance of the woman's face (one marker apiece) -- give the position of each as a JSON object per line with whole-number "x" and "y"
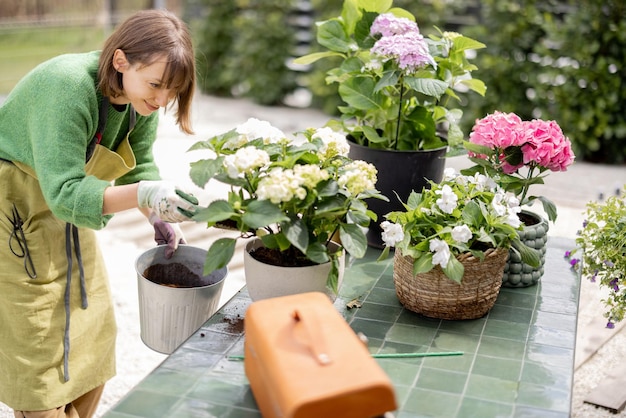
{"x": 143, "y": 85}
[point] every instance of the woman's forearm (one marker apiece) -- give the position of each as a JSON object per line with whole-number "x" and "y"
{"x": 119, "y": 198}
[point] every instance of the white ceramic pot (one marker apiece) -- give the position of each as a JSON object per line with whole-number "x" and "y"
{"x": 265, "y": 281}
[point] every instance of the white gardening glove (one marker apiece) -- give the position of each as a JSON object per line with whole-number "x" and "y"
{"x": 166, "y": 200}
{"x": 166, "y": 234}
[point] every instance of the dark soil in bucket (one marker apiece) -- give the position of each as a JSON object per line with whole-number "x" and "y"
{"x": 173, "y": 275}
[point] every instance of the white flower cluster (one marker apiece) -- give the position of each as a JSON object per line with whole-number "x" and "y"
{"x": 358, "y": 177}
{"x": 334, "y": 143}
{"x": 245, "y": 160}
{"x": 503, "y": 204}
{"x": 254, "y": 129}
{"x": 282, "y": 185}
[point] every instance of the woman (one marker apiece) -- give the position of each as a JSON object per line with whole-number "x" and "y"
{"x": 76, "y": 138}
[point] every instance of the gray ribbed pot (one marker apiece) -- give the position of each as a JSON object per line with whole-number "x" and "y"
{"x": 517, "y": 273}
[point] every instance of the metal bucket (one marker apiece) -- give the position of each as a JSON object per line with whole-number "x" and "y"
{"x": 169, "y": 315}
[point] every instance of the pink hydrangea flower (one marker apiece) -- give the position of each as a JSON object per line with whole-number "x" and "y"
{"x": 546, "y": 145}
{"x": 410, "y": 50}
{"x": 499, "y": 131}
{"x": 388, "y": 24}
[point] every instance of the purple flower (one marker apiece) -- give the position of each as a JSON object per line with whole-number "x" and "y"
{"x": 567, "y": 254}
{"x": 573, "y": 262}
{"x": 608, "y": 263}
{"x": 610, "y": 325}
{"x": 613, "y": 284}
{"x": 409, "y": 50}
{"x": 388, "y": 25}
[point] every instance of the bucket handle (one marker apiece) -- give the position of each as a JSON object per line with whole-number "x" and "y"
{"x": 317, "y": 342}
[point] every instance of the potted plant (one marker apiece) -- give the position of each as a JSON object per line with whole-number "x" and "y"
{"x": 294, "y": 194}
{"x": 600, "y": 253}
{"x": 518, "y": 154}
{"x": 397, "y": 86}
{"x": 451, "y": 242}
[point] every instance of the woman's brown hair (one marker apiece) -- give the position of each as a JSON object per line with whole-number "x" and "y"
{"x": 145, "y": 37}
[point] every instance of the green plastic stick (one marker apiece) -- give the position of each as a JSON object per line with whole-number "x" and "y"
{"x": 392, "y": 355}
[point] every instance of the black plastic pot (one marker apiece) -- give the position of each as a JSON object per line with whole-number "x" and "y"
{"x": 399, "y": 172}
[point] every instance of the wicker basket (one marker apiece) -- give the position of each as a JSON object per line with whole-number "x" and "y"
{"x": 434, "y": 295}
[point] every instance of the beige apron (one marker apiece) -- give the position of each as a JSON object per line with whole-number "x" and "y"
{"x": 46, "y": 359}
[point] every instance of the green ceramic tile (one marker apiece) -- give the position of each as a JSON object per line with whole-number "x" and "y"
{"x": 461, "y": 364}
{"x": 557, "y": 305}
{"x": 491, "y": 389}
{"x": 550, "y": 355}
{"x": 441, "y": 380}
{"x": 428, "y": 403}
{"x": 371, "y": 329}
{"x": 510, "y": 314}
{"x": 383, "y": 296}
{"x": 498, "y": 347}
{"x": 189, "y": 360}
{"x": 550, "y": 336}
{"x": 501, "y": 368}
{"x": 116, "y": 414}
{"x": 479, "y": 408}
{"x": 400, "y": 373}
{"x": 394, "y": 348}
{"x": 412, "y": 335}
{"x": 378, "y": 312}
{"x": 554, "y": 320}
{"x": 545, "y": 397}
{"x": 213, "y": 342}
{"x": 559, "y": 291}
{"x": 508, "y": 330}
{"x": 356, "y": 287}
{"x": 243, "y": 413}
{"x": 470, "y": 326}
{"x": 220, "y": 389}
{"x": 546, "y": 374}
{"x": 142, "y": 403}
{"x": 408, "y": 317}
{"x": 452, "y": 341}
{"x": 170, "y": 382}
{"x": 197, "y": 408}
{"x": 515, "y": 298}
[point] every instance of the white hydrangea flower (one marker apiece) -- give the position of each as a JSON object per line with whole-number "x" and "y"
{"x": 392, "y": 233}
{"x": 280, "y": 186}
{"x": 358, "y": 177}
{"x": 245, "y": 160}
{"x": 461, "y": 233}
{"x": 482, "y": 182}
{"x": 448, "y": 200}
{"x": 334, "y": 143}
{"x": 310, "y": 175}
{"x": 441, "y": 252}
{"x": 254, "y": 129}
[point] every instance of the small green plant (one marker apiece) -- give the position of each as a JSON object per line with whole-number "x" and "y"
{"x": 293, "y": 194}
{"x": 600, "y": 253}
{"x": 396, "y": 83}
{"x": 459, "y": 215}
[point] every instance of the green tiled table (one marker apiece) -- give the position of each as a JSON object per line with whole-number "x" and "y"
{"x": 518, "y": 360}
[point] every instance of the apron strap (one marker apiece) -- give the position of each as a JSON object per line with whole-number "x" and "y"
{"x": 102, "y": 120}
{"x": 71, "y": 232}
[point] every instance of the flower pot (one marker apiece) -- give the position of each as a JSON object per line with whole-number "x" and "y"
{"x": 172, "y": 309}
{"x": 265, "y": 281}
{"x": 534, "y": 235}
{"x": 399, "y": 173}
{"x": 434, "y": 295}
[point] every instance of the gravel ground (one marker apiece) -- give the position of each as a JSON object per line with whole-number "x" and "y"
{"x": 127, "y": 236}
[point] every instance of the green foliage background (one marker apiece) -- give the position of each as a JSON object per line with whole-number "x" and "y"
{"x": 551, "y": 59}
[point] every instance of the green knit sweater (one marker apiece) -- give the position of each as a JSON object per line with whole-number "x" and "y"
{"x": 47, "y": 122}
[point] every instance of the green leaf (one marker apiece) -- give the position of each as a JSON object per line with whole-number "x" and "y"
{"x": 454, "y": 270}
{"x": 529, "y": 255}
{"x": 331, "y": 34}
{"x": 203, "y": 170}
{"x": 475, "y": 85}
{"x": 462, "y": 43}
{"x": 428, "y": 86}
{"x": 261, "y": 213}
{"x": 297, "y": 233}
{"x": 219, "y": 255}
{"x": 423, "y": 263}
{"x": 353, "y": 239}
{"x": 378, "y": 6}
{"x": 549, "y": 208}
{"x": 218, "y": 210}
{"x": 311, "y": 58}
{"x": 358, "y": 92}
{"x": 317, "y": 252}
